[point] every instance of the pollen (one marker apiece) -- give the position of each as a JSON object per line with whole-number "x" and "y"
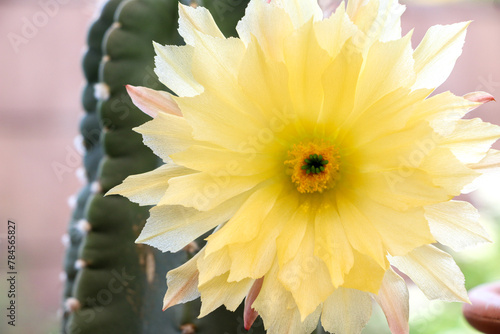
{"x": 313, "y": 167}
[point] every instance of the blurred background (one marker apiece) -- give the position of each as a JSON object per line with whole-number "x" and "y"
{"x": 40, "y": 86}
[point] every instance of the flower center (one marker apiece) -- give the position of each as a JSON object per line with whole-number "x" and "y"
{"x": 313, "y": 167}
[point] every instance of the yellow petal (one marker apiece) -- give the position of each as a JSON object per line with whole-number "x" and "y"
{"x": 255, "y": 257}
{"x": 171, "y": 227}
{"x": 215, "y": 160}
{"x": 218, "y": 58}
{"x": 340, "y": 93}
{"x": 395, "y": 108}
{"x": 278, "y": 309}
{"x": 289, "y": 240}
{"x": 306, "y": 277}
{"x": 194, "y": 23}
{"x": 434, "y": 272}
{"x": 148, "y": 188}
{"x": 334, "y": 31}
{"x": 301, "y": 11}
{"x": 266, "y": 81}
{"x": 365, "y": 275}
{"x": 213, "y": 265}
{"x": 447, "y": 171}
{"x": 269, "y": 24}
{"x": 441, "y": 109}
{"x": 306, "y": 62}
{"x": 182, "y": 284}
{"x": 393, "y": 299}
{"x": 230, "y": 122}
{"x": 471, "y": 139}
{"x": 173, "y": 67}
{"x": 153, "y": 102}
{"x": 219, "y": 291}
{"x": 346, "y": 311}
{"x": 400, "y": 231}
{"x": 204, "y": 191}
{"x": 436, "y": 55}
{"x": 377, "y": 20}
{"x": 391, "y": 60}
{"x": 402, "y": 189}
{"x": 456, "y": 224}
{"x": 490, "y": 163}
{"x": 254, "y": 210}
{"x": 167, "y": 134}
{"x": 361, "y": 232}
{"x": 331, "y": 243}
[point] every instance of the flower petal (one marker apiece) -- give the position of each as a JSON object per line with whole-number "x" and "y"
{"x": 249, "y": 314}
{"x": 153, "y": 102}
{"x": 391, "y": 60}
{"x": 269, "y": 24}
{"x": 255, "y": 257}
{"x": 490, "y": 163}
{"x": 346, "y": 311}
{"x": 479, "y": 97}
{"x": 360, "y": 231}
{"x": 471, "y": 139}
{"x": 173, "y": 68}
{"x": 332, "y": 245}
{"x": 237, "y": 229}
{"x": 400, "y": 231}
{"x": 447, "y": 171}
{"x": 365, "y": 275}
{"x": 434, "y": 272}
{"x": 393, "y": 299}
{"x": 456, "y": 224}
{"x": 306, "y": 62}
{"x": 148, "y": 188}
{"x": 167, "y": 134}
{"x": 204, "y": 191}
{"x": 306, "y": 277}
{"x": 219, "y": 291}
{"x": 334, "y": 31}
{"x": 194, "y": 23}
{"x": 301, "y": 11}
{"x": 182, "y": 284}
{"x": 171, "y": 227}
{"x": 278, "y": 310}
{"x": 436, "y": 55}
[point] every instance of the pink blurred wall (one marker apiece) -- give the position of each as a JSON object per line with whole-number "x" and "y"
{"x": 40, "y": 109}
{"x": 40, "y": 84}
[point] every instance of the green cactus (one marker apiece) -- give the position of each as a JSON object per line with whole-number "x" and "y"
{"x": 90, "y": 129}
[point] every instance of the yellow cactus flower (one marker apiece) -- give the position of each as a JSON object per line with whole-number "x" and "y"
{"x": 314, "y": 150}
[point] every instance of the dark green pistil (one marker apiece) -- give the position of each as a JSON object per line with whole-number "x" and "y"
{"x": 315, "y": 164}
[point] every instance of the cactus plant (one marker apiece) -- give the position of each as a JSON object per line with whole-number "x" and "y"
{"x": 90, "y": 129}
